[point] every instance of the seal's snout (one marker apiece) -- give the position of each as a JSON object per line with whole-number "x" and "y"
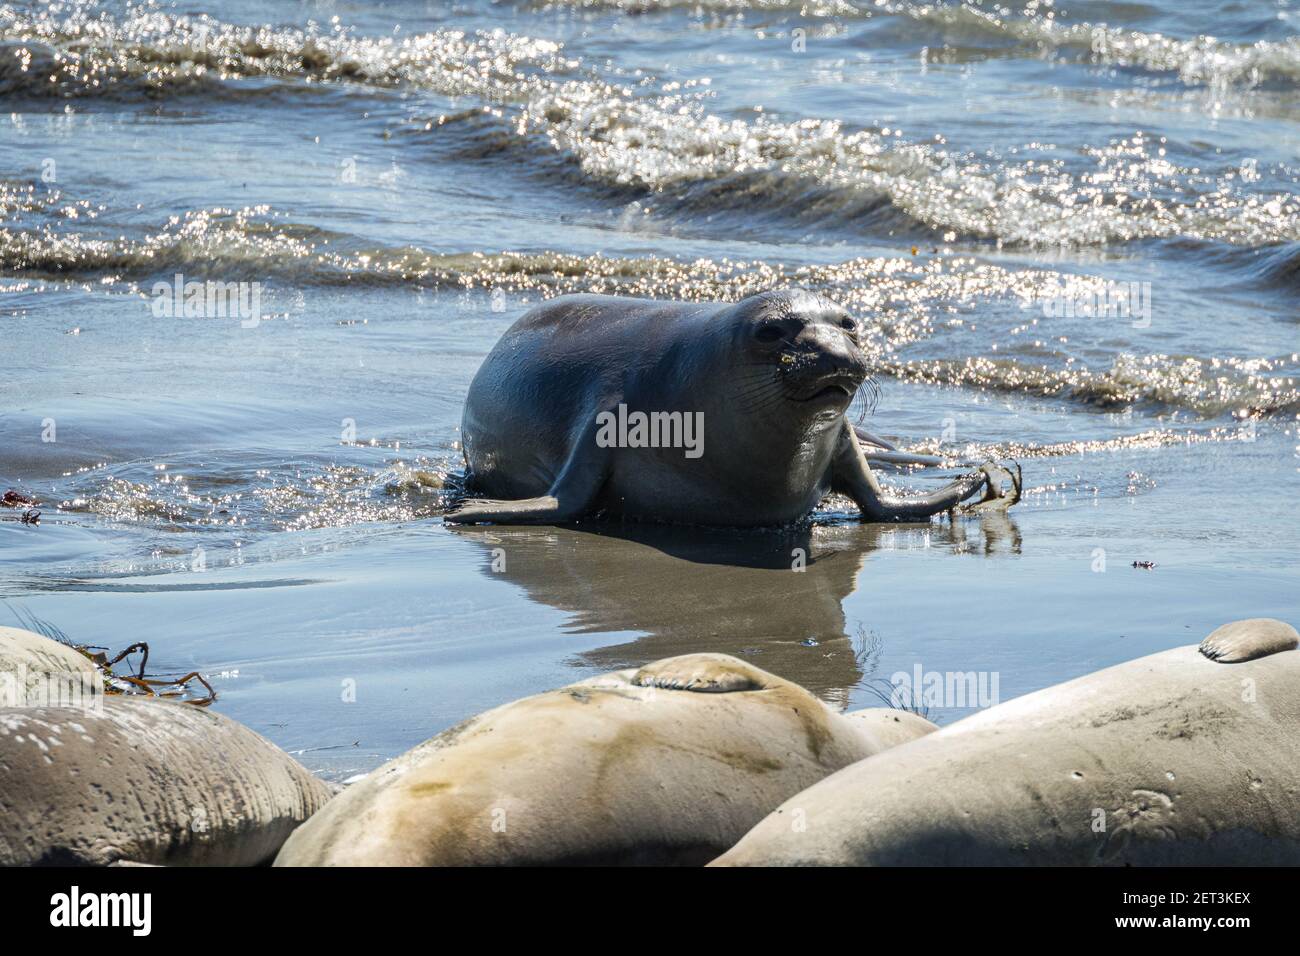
{"x": 836, "y": 351}
{"x": 813, "y": 343}
{"x": 828, "y": 363}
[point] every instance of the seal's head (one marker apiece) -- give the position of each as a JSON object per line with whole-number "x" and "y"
{"x": 803, "y": 351}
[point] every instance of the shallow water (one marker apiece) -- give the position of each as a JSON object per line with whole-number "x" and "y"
{"x": 261, "y": 501}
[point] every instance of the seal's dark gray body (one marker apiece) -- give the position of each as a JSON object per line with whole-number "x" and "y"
{"x": 768, "y": 378}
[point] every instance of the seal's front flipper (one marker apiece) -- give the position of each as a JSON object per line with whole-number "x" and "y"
{"x": 570, "y": 499}
{"x": 702, "y": 673}
{"x": 996, "y": 498}
{"x": 852, "y": 475}
{"x": 1249, "y": 639}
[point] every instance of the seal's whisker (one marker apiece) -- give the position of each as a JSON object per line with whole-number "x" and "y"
{"x": 759, "y": 405}
{"x": 865, "y": 400}
{"x": 766, "y": 381}
{"x": 755, "y": 395}
{"x": 758, "y": 386}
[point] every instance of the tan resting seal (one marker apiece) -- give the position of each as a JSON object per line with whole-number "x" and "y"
{"x": 670, "y": 763}
{"x": 144, "y": 781}
{"x": 89, "y": 779}
{"x": 1172, "y": 759}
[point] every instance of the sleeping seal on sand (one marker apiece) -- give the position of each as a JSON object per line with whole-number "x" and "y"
{"x": 88, "y": 779}
{"x": 1173, "y": 759}
{"x": 726, "y": 414}
{"x": 670, "y": 763}
{"x": 144, "y": 781}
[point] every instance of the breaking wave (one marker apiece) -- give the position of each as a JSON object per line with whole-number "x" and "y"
{"x": 661, "y": 141}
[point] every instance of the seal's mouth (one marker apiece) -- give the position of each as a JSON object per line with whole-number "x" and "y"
{"x": 837, "y": 389}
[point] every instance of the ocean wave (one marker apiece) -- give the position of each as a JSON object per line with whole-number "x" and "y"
{"x": 1015, "y": 450}
{"x": 89, "y": 52}
{"x": 685, "y": 157}
{"x": 661, "y": 142}
{"x": 147, "y": 52}
{"x": 906, "y": 301}
{"x": 668, "y": 149}
{"x": 210, "y": 242}
{"x": 672, "y": 155}
{"x": 1036, "y": 28}
{"x": 1272, "y": 266}
{"x": 1243, "y": 388}
{"x": 256, "y": 242}
{"x": 1280, "y": 265}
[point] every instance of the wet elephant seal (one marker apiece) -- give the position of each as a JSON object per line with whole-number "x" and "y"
{"x": 670, "y": 763}
{"x": 711, "y": 414}
{"x": 144, "y": 781}
{"x": 1172, "y": 759}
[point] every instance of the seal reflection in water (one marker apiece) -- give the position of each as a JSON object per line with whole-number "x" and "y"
{"x": 643, "y": 585}
{"x": 767, "y": 381}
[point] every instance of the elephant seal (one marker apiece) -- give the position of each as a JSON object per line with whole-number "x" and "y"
{"x": 727, "y": 414}
{"x": 669, "y": 763}
{"x": 1171, "y": 759}
{"x": 142, "y": 780}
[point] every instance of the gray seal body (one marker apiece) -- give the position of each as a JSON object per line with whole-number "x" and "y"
{"x": 743, "y": 403}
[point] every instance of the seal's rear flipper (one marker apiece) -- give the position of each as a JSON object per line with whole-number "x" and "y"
{"x": 877, "y": 456}
{"x": 1249, "y": 639}
{"x": 870, "y": 439}
{"x": 703, "y": 673}
{"x": 543, "y": 510}
{"x": 880, "y": 451}
{"x": 569, "y": 497}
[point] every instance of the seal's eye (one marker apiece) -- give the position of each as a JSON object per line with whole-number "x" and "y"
{"x": 848, "y": 324}
{"x": 771, "y": 332}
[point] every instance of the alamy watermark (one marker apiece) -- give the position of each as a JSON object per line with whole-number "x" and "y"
{"x": 21, "y": 686}
{"x": 208, "y": 300}
{"x": 1109, "y": 300}
{"x": 919, "y": 689}
{"x": 75, "y": 908}
{"x": 624, "y": 429}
